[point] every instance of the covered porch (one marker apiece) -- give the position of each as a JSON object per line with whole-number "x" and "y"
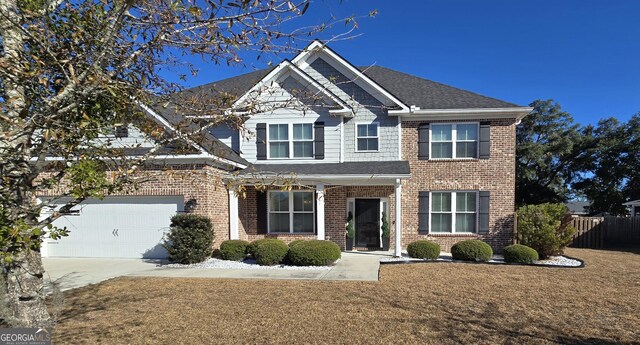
{"x": 313, "y": 201}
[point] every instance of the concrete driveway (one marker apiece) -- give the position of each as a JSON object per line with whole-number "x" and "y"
{"x": 71, "y": 273}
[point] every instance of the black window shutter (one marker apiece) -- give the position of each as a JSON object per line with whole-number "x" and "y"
{"x": 318, "y": 141}
{"x": 121, "y": 131}
{"x": 483, "y": 212}
{"x": 261, "y": 141}
{"x": 423, "y": 141}
{"x": 423, "y": 212}
{"x": 261, "y": 212}
{"x": 485, "y": 140}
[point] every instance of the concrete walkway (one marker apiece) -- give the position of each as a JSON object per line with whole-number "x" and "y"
{"x": 70, "y": 273}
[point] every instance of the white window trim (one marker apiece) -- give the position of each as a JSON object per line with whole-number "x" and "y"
{"x": 367, "y": 137}
{"x": 291, "y": 141}
{"x": 290, "y": 212}
{"x": 454, "y": 194}
{"x": 453, "y": 140}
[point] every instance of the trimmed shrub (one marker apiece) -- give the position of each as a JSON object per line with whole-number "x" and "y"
{"x": 294, "y": 242}
{"x": 471, "y": 250}
{"x": 251, "y": 248}
{"x": 190, "y": 239}
{"x": 314, "y": 253}
{"x": 520, "y": 254}
{"x": 422, "y": 249}
{"x": 270, "y": 252}
{"x": 234, "y": 250}
{"x": 545, "y": 228}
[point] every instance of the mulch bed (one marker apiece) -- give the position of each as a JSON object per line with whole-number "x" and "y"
{"x": 426, "y": 304}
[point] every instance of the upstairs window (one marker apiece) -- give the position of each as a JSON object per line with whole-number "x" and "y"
{"x": 450, "y": 141}
{"x": 367, "y": 137}
{"x": 279, "y": 141}
{"x": 284, "y": 145}
{"x": 302, "y": 140}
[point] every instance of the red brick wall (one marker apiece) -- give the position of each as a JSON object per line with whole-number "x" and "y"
{"x": 496, "y": 174}
{"x": 194, "y": 182}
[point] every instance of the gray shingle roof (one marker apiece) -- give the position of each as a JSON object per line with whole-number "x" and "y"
{"x": 410, "y": 89}
{"x": 393, "y": 168}
{"x": 428, "y": 94}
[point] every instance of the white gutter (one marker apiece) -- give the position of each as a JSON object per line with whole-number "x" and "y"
{"x": 450, "y": 114}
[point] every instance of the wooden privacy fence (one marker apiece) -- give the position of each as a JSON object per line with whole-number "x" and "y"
{"x": 600, "y": 232}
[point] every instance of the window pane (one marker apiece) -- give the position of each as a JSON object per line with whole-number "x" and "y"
{"x": 467, "y": 132}
{"x": 278, "y": 222}
{"x": 303, "y": 149}
{"x": 466, "y": 202}
{"x": 302, "y": 131}
{"x": 441, "y": 132}
{"x": 369, "y": 144}
{"x": 441, "y": 202}
{"x": 303, "y": 222}
{"x": 466, "y": 222}
{"x": 279, "y": 150}
{"x": 466, "y": 150}
{"x": 279, "y": 201}
{"x": 441, "y": 150}
{"x": 279, "y": 132}
{"x": 440, "y": 222}
{"x": 362, "y": 130}
{"x": 302, "y": 201}
{"x": 372, "y": 130}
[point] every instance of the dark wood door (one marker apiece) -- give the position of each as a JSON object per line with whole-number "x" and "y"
{"x": 367, "y": 223}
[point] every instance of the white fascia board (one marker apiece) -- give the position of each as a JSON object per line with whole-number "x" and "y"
{"x": 286, "y": 64}
{"x": 632, "y": 203}
{"x": 201, "y": 157}
{"x": 349, "y": 180}
{"x": 300, "y": 59}
{"x": 457, "y": 114}
{"x": 203, "y": 152}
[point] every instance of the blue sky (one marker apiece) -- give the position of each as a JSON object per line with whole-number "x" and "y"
{"x": 585, "y": 54}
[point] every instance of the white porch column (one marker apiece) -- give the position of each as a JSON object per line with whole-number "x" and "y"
{"x": 233, "y": 216}
{"x": 320, "y": 210}
{"x": 398, "y": 195}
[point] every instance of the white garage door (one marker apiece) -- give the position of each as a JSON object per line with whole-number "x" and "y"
{"x": 117, "y": 227}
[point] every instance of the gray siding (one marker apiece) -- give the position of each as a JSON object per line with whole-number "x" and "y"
{"x": 135, "y": 139}
{"x": 229, "y": 136}
{"x": 367, "y": 109}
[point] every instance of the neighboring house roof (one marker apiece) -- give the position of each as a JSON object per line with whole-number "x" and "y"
{"x": 577, "y": 207}
{"x": 632, "y": 203}
{"x": 388, "y": 168}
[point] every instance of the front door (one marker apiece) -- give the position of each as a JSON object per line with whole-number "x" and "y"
{"x": 367, "y": 223}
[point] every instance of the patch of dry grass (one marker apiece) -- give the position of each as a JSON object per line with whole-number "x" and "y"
{"x": 422, "y": 303}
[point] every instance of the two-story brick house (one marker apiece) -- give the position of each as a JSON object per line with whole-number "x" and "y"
{"x": 437, "y": 161}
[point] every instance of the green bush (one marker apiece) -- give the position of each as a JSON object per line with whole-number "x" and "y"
{"x": 270, "y": 252}
{"x": 545, "y": 228}
{"x": 520, "y": 253}
{"x": 295, "y": 242}
{"x": 386, "y": 233}
{"x": 350, "y": 226}
{"x": 251, "y": 248}
{"x": 314, "y": 253}
{"x": 471, "y": 250}
{"x": 234, "y": 250}
{"x": 190, "y": 239}
{"x": 424, "y": 250}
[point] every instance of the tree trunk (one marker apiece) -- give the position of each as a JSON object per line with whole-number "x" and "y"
{"x": 25, "y": 291}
